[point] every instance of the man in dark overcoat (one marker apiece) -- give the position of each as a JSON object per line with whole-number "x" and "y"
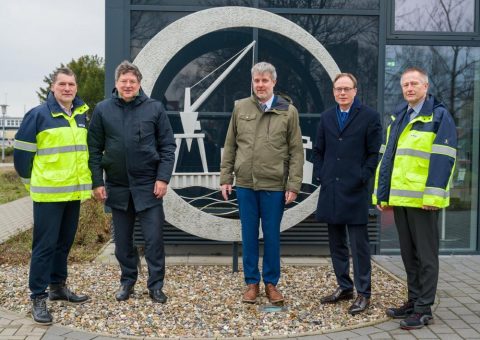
{"x": 130, "y": 137}
{"x": 346, "y": 155}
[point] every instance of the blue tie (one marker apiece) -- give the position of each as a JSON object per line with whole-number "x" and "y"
{"x": 343, "y": 118}
{"x": 411, "y": 114}
{"x": 264, "y": 107}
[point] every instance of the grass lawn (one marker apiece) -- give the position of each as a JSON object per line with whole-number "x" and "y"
{"x": 11, "y": 187}
{"x": 93, "y": 229}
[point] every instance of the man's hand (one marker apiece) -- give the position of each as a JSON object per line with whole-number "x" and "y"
{"x": 226, "y": 190}
{"x": 290, "y": 196}
{"x": 100, "y": 194}
{"x": 160, "y": 189}
{"x": 383, "y": 208}
{"x": 429, "y": 207}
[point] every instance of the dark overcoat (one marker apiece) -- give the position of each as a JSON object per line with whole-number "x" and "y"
{"x": 133, "y": 142}
{"x": 344, "y": 161}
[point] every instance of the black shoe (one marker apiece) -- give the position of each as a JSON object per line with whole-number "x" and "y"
{"x": 61, "y": 292}
{"x": 361, "y": 304}
{"x": 401, "y": 312}
{"x": 124, "y": 293}
{"x": 157, "y": 295}
{"x": 416, "y": 321}
{"x": 40, "y": 312}
{"x": 338, "y": 295}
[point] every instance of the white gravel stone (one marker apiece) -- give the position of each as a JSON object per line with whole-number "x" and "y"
{"x": 203, "y": 301}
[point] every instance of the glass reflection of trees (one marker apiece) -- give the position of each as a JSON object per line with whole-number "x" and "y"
{"x": 145, "y": 24}
{"x": 435, "y": 15}
{"x": 194, "y": 2}
{"x": 352, "y": 42}
{"x": 321, "y": 4}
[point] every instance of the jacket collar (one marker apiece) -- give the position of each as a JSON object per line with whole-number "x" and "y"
{"x": 429, "y": 105}
{"x": 279, "y": 105}
{"x": 140, "y": 98}
{"x": 354, "y": 109}
{"x": 56, "y": 109}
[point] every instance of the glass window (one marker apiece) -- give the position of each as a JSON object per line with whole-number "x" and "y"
{"x": 321, "y": 4}
{"x": 193, "y": 2}
{"x": 144, "y": 25}
{"x": 353, "y": 43}
{"x": 435, "y": 15}
{"x": 454, "y": 77}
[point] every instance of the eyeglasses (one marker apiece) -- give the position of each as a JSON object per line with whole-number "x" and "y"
{"x": 342, "y": 89}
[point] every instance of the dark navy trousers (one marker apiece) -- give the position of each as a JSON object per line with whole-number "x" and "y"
{"x": 54, "y": 228}
{"x": 151, "y": 221}
{"x": 360, "y": 247}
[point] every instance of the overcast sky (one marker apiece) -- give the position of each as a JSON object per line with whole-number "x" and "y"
{"x": 36, "y": 36}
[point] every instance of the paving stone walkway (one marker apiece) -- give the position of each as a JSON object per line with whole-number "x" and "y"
{"x": 457, "y": 315}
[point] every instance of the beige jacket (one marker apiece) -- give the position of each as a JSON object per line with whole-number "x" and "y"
{"x": 263, "y": 150}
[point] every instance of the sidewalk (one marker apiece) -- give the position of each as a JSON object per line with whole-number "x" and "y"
{"x": 15, "y": 217}
{"x": 457, "y": 315}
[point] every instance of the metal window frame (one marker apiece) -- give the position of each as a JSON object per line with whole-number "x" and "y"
{"x": 455, "y": 38}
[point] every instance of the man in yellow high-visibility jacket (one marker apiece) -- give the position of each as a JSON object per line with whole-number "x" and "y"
{"x": 51, "y": 157}
{"x": 413, "y": 177}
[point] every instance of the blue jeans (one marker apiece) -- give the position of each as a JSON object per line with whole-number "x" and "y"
{"x": 268, "y": 207}
{"x": 54, "y": 228}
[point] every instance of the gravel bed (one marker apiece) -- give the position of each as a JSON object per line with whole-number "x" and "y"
{"x": 203, "y": 301}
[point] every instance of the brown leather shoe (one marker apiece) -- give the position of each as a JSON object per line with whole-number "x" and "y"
{"x": 250, "y": 295}
{"x": 273, "y": 295}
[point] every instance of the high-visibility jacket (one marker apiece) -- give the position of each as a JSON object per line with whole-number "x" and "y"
{"x": 50, "y": 152}
{"x": 418, "y": 158}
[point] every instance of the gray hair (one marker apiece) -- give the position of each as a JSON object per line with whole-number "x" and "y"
{"x": 126, "y": 67}
{"x": 62, "y": 70}
{"x": 264, "y": 67}
{"x": 422, "y": 72}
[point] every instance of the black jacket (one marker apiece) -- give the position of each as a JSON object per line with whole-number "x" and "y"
{"x": 344, "y": 162}
{"x": 133, "y": 142}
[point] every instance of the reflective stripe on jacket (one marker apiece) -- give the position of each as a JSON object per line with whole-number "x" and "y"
{"x": 50, "y": 152}
{"x": 418, "y": 158}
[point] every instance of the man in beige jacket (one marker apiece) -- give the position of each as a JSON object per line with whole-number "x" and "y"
{"x": 263, "y": 152}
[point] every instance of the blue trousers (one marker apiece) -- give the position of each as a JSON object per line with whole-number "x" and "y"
{"x": 360, "y": 247}
{"x": 151, "y": 221}
{"x": 268, "y": 207}
{"x": 54, "y": 228}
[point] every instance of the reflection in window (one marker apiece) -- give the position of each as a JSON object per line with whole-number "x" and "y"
{"x": 194, "y": 2}
{"x": 319, "y": 4}
{"x": 144, "y": 25}
{"x": 435, "y": 15}
{"x": 454, "y": 76}
{"x": 353, "y": 43}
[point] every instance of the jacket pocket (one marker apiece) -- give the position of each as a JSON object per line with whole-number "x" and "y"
{"x": 415, "y": 177}
{"x": 246, "y": 123}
